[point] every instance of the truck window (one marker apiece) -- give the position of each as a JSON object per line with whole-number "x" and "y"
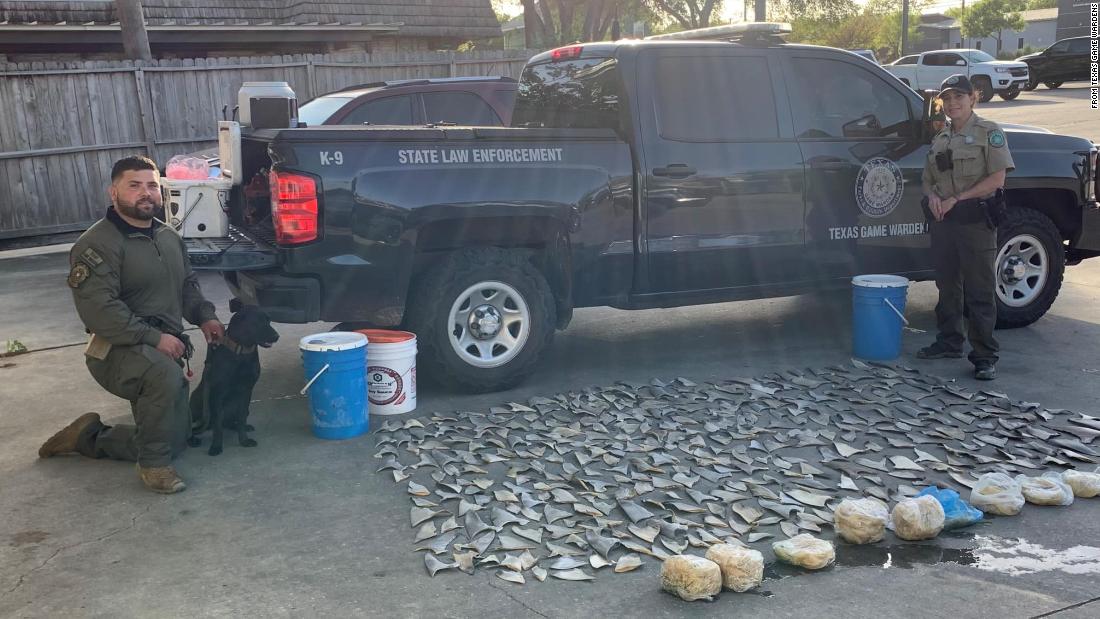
{"x": 579, "y": 94}
{"x": 1079, "y": 46}
{"x": 386, "y": 111}
{"x": 714, "y": 99}
{"x": 462, "y": 108}
{"x": 835, "y": 99}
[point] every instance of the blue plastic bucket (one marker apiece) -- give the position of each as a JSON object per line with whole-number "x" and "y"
{"x": 878, "y": 313}
{"x": 338, "y": 392}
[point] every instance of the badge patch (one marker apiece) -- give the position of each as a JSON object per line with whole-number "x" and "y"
{"x": 78, "y": 274}
{"x": 879, "y": 186}
{"x": 91, "y": 257}
{"x": 996, "y": 139}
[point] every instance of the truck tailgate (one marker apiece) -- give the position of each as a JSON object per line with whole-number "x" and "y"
{"x": 239, "y": 251}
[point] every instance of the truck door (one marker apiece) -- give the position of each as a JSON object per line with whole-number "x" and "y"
{"x": 861, "y": 139}
{"x": 722, "y": 174}
{"x": 934, "y": 68}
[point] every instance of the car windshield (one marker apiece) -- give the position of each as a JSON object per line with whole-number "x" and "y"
{"x": 980, "y": 56}
{"x": 319, "y": 110}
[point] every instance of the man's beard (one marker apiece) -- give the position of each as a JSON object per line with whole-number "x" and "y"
{"x": 143, "y": 210}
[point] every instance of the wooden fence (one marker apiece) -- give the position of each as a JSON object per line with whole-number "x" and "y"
{"x": 62, "y": 125}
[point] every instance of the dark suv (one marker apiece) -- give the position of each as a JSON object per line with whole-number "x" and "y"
{"x": 480, "y": 101}
{"x": 1065, "y": 61}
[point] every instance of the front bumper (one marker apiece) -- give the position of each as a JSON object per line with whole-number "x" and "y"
{"x": 1004, "y": 84}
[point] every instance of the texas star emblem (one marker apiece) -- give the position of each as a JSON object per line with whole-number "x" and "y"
{"x": 879, "y": 186}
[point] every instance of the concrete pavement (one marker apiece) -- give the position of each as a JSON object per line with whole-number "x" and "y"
{"x": 301, "y": 526}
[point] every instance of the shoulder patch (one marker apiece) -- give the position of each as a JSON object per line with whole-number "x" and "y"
{"x": 78, "y": 274}
{"x": 996, "y": 138}
{"x": 91, "y": 257}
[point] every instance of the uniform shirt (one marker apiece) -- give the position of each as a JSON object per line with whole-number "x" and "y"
{"x": 120, "y": 274}
{"x": 979, "y": 149}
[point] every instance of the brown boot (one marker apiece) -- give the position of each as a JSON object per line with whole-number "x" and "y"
{"x": 162, "y": 479}
{"x": 65, "y": 440}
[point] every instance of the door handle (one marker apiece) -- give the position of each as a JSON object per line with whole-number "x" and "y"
{"x": 675, "y": 170}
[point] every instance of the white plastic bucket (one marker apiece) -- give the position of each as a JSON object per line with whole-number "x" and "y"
{"x": 391, "y": 371}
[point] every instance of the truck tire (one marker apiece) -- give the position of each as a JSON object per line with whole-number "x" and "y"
{"x": 1032, "y": 82}
{"x": 984, "y": 88}
{"x": 1030, "y": 264}
{"x": 1052, "y": 85}
{"x": 482, "y": 318}
{"x": 1009, "y": 95}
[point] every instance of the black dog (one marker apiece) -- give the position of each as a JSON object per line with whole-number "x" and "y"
{"x": 228, "y": 377}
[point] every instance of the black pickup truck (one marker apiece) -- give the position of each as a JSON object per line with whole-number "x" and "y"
{"x": 635, "y": 175}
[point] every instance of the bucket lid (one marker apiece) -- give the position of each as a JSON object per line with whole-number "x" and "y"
{"x": 384, "y": 336}
{"x": 880, "y": 281}
{"x": 333, "y": 341}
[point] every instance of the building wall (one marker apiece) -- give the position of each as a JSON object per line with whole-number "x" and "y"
{"x": 1037, "y": 34}
{"x": 1073, "y": 18}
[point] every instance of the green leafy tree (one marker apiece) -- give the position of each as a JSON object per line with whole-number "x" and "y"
{"x": 1041, "y": 4}
{"x": 990, "y": 17}
{"x": 553, "y": 22}
{"x": 687, "y": 14}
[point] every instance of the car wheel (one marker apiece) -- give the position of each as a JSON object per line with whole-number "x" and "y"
{"x": 482, "y": 319}
{"x": 1052, "y": 85}
{"x": 1029, "y": 267}
{"x": 984, "y": 87}
{"x": 1032, "y": 83}
{"x": 1009, "y": 95}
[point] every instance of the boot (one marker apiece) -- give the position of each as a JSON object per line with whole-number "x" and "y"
{"x": 162, "y": 479}
{"x": 65, "y": 440}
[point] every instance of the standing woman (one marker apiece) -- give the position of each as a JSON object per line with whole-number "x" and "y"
{"x": 962, "y": 181}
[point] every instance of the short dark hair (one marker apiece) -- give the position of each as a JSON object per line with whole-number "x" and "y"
{"x": 132, "y": 163}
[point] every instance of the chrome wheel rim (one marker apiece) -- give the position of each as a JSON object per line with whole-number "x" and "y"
{"x": 1022, "y": 270}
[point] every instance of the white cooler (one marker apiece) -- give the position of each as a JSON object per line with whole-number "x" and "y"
{"x": 197, "y": 208}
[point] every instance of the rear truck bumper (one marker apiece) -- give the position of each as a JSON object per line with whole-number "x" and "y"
{"x": 284, "y": 299}
{"x": 333, "y": 297}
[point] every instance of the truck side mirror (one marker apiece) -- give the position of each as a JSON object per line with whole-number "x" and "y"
{"x": 960, "y": 63}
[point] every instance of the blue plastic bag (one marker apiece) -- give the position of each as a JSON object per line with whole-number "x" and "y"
{"x": 956, "y": 511}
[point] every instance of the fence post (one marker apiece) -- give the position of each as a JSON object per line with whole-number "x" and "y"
{"x": 148, "y": 126}
{"x": 311, "y": 77}
{"x": 452, "y": 68}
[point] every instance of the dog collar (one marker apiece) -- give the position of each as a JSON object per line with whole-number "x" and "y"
{"x": 235, "y": 348}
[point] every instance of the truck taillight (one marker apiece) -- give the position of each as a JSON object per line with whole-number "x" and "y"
{"x": 566, "y": 53}
{"x": 295, "y": 210}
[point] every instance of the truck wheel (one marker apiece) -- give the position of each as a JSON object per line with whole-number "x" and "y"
{"x": 984, "y": 88}
{"x": 1030, "y": 263}
{"x": 1052, "y": 85}
{"x": 1009, "y": 95}
{"x": 1032, "y": 82}
{"x": 482, "y": 318}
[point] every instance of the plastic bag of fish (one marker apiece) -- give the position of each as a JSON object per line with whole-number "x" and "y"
{"x": 691, "y": 578}
{"x": 1085, "y": 485}
{"x": 1049, "y": 489}
{"x": 861, "y": 521}
{"x": 805, "y": 551}
{"x": 997, "y": 493}
{"x": 917, "y": 518}
{"x": 742, "y": 568}
{"x": 956, "y": 512}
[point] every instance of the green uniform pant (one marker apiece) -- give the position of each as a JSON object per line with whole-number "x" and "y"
{"x": 965, "y": 275}
{"x": 157, "y": 391}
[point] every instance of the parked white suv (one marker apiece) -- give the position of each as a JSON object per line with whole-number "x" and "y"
{"x": 991, "y": 76}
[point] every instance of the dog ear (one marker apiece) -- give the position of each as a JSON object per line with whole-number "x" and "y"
{"x": 235, "y": 305}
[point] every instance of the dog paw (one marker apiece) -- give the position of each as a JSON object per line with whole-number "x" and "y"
{"x": 248, "y": 443}
{"x": 194, "y": 441}
{"x": 214, "y": 450}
